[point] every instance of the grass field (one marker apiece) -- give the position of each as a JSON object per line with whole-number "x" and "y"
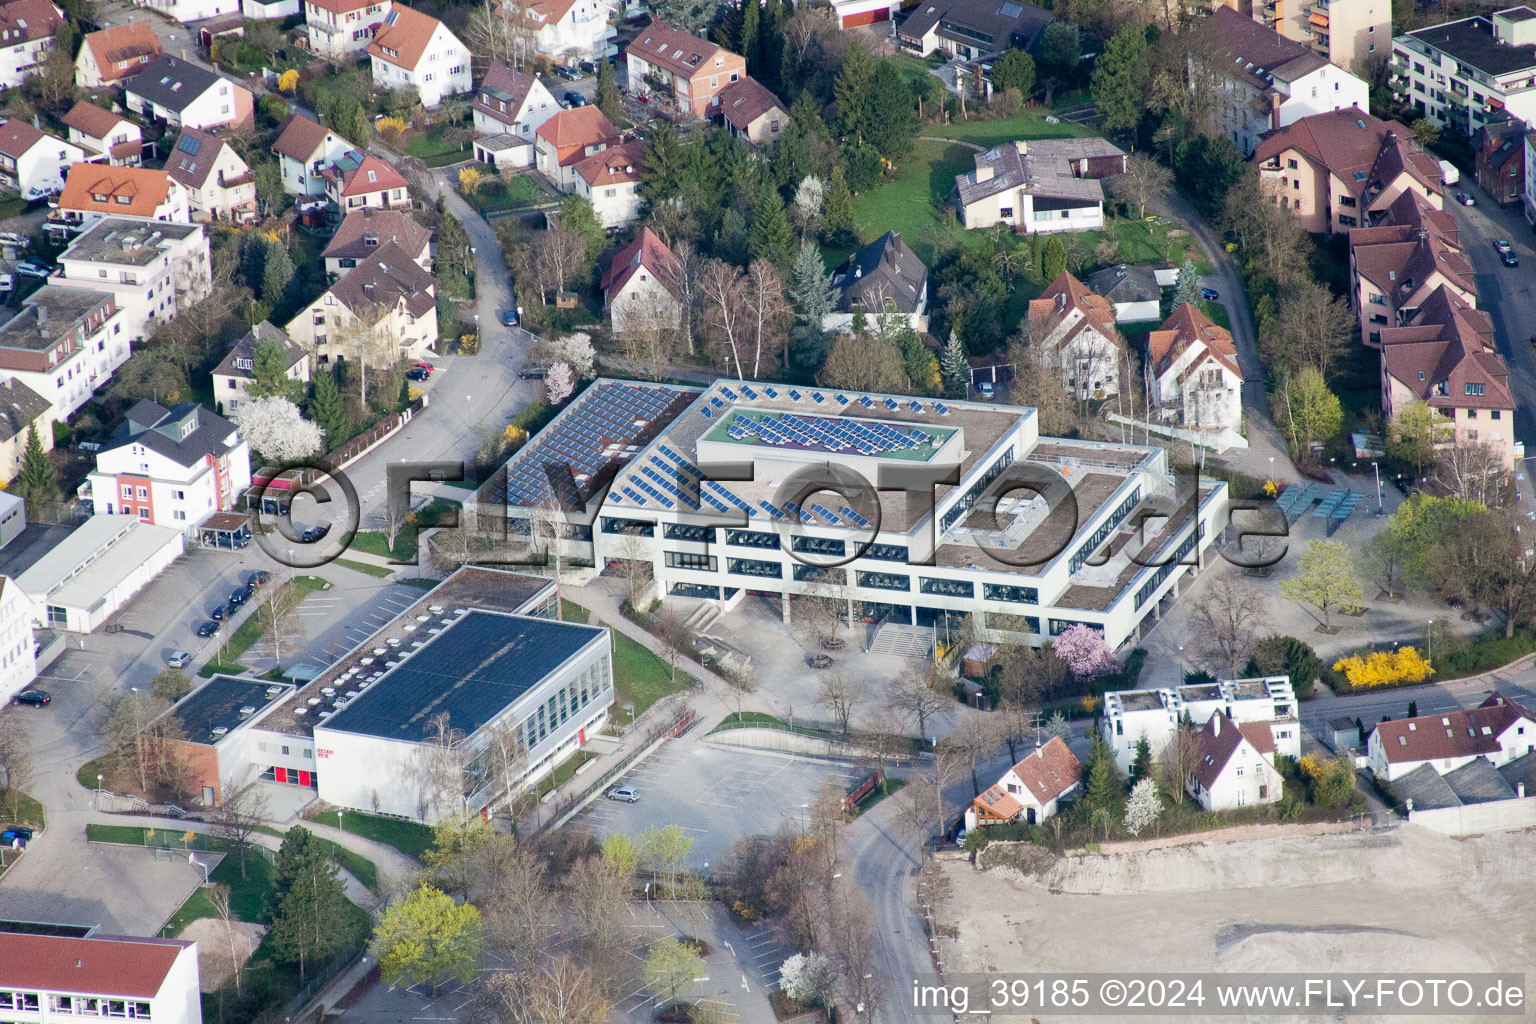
{"x": 408, "y": 837}
{"x": 430, "y": 144}
{"x": 28, "y": 810}
{"x": 640, "y": 677}
{"x": 369, "y": 568}
{"x": 376, "y": 542}
{"x": 572, "y": 612}
{"x": 245, "y": 636}
{"x": 564, "y": 771}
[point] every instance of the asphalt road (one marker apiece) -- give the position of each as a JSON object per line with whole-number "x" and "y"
{"x": 885, "y": 859}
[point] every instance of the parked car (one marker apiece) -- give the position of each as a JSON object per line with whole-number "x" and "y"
{"x": 625, "y": 794}
{"x": 416, "y": 373}
{"x": 1465, "y": 199}
{"x": 220, "y": 613}
{"x": 587, "y": 66}
{"x": 1509, "y": 258}
{"x": 531, "y": 373}
{"x": 1502, "y": 244}
{"x": 30, "y": 269}
{"x": 239, "y": 596}
{"x": 256, "y": 579}
{"x": 35, "y": 698}
{"x": 574, "y": 99}
{"x": 313, "y": 533}
{"x": 568, "y": 72}
{"x": 509, "y": 318}
{"x": 178, "y": 659}
{"x": 207, "y": 629}
{"x": 7, "y": 282}
{"x": 426, "y": 368}
{"x": 1210, "y": 294}
{"x": 986, "y": 390}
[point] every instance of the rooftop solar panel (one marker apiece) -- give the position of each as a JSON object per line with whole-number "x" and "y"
{"x": 819, "y": 397}
{"x": 941, "y": 408}
{"x": 728, "y": 393}
{"x": 770, "y": 392}
{"x": 748, "y": 392}
{"x": 864, "y": 400}
{"x": 705, "y": 412}
{"x": 794, "y": 396}
{"x": 915, "y": 405}
{"x": 842, "y": 399}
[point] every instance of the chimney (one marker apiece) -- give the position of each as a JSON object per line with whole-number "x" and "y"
{"x": 858, "y": 272}
{"x": 1216, "y": 724}
{"x": 890, "y": 255}
{"x": 368, "y": 292}
{"x": 1520, "y": 790}
{"x": 983, "y": 173}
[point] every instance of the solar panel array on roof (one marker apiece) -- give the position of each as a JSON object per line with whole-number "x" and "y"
{"x": 830, "y": 433}
{"x": 189, "y": 145}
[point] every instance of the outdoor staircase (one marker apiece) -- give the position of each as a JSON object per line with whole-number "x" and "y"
{"x": 703, "y": 617}
{"x": 903, "y": 641}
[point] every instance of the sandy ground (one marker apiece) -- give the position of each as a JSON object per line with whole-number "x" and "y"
{"x": 1399, "y": 900}
{"x": 213, "y": 963}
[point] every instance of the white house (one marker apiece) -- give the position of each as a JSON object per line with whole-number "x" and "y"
{"x": 64, "y": 343}
{"x": 1133, "y": 290}
{"x": 1031, "y": 790}
{"x": 1197, "y": 382}
{"x": 341, "y": 29}
{"x": 193, "y": 10}
{"x": 388, "y": 292}
{"x": 171, "y": 467}
{"x": 219, "y": 184}
{"x": 153, "y": 270}
{"x": 610, "y": 179}
{"x": 358, "y": 182}
{"x": 146, "y": 979}
{"x": 1234, "y": 765}
{"x": 33, "y": 162}
{"x": 26, "y": 37}
{"x": 304, "y": 150}
{"x": 1155, "y": 714}
{"x": 1462, "y": 74}
{"x": 1044, "y": 185}
{"x": 564, "y": 30}
{"x": 21, "y": 410}
{"x": 1266, "y": 80}
{"x": 1077, "y": 328}
{"x": 104, "y": 137}
{"x": 508, "y": 108}
{"x": 882, "y": 279}
{"x": 233, "y": 376}
{"x": 567, "y": 139}
{"x": 117, "y": 51}
{"x": 415, "y": 49}
{"x": 364, "y": 231}
{"x": 641, "y": 286}
{"x": 186, "y": 95}
{"x": 1498, "y": 730}
{"x": 134, "y": 193}
{"x": 18, "y": 656}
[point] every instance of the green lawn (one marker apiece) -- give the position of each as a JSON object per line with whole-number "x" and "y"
{"x": 355, "y": 864}
{"x": 1026, "y": 124}
{"x": 640, "y": 677}
{"x": 572, "y": 612}
{"x": 227, "y": 660}
{"x": 408, "y": 837}
{"x": 495, "y": 195}
{"x": 564, "y": 771}
{"x": 431, "y": 143}
{"x": 376, "y": 542}
{"x": 422, "y": 582}
{"x": 28, "y": 810}
{"x": 380, "y": 571}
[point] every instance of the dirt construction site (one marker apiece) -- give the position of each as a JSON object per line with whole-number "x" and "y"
{"x": 1396, "y": 900}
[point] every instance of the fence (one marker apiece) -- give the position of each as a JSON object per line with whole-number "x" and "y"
{"x": 672, "y": 726}
{"x": 355, "y": 448}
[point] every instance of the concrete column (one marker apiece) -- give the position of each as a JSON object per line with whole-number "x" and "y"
{"x": 784, "y": 606}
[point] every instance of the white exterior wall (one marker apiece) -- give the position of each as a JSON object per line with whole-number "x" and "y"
{"x": 1517, "y": 740}
{"x": 583, "y": 32}
{"x": 20, "y": 62}
{"x": 218, "y": 201}
{"x": 18, "y": 661}
{"x": 303, "y": 179}
{"x": 1137, "y": 312}
{"x": 442, "y": 71}
{"x": 643, "y": 296}
{"x": 538, "y": 106}
{"x": 41, "y": 169}
{"x": 231, "y": 392}
{"x": 148, "y": 295}
{"x": 1248, "y": 779}
{"x": 182, "y": 496}
{"x": 616, "y": 205}
{"x": 258, "y": 11}
{"x": 123, "y": 131}
{"x": 1433, "y": 82}
{"x": 1021, "y": 214}
{"x": 192, "y": 10}
{"x": 1217, "y": 404}
{"x": 177, "y": 1001}
{"x": 213, "y": 108}
{"x": 1328, "y": 88}
{"x": 85, "y": 619}
{"x": 70, "y": 384}
{"x": 415, "y": 335}
{"x": 344, "y": 35}
{"x": 1123, "y": 730}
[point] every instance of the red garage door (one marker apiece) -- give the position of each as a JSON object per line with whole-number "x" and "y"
{"x": 867, "y": 18}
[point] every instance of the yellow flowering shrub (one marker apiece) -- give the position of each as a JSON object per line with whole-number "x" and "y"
{"x": 1384, "y": 668}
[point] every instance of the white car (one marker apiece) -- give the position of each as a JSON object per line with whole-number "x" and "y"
{"x": 627, "y": 794}
{"x": 986, "y": 390}
{"x": 178, "y": 659}
{"x": 7, "y": 282}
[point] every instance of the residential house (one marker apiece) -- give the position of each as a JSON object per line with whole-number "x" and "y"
{"x": 1077, "y": 329}
{"x": 267, "y": 10}
{"x": 27, "y": 28}
{"x": 187, "y": 11}
{"x": 357, "y": 182}
{"x": 18, "y": 644}
{"x": 21, "y": 410}
{"x": 1196, "y": 382}
{"x": 103, "y": 136}
{"x": 567, "y": 139}
{"x": 1234, "y": 765}
{"x": 63, "y": 343}
{"x": 1130, "y": 715}
{"x": 363, "y": 231}
{"x": 33, "y": 162}
{"x": 171, "y": 467}
{"x": 1499, "y": 160}
{"x": 610, "y": 180}
{"x": 304, "y": 150}
{"x": 1132, "y": 290}
{"x": 111, "y": 55}
{"x": 153, "y": 270}
{"x": 185, "y": 95}
{"x": 508, "y": 109}
{"x": 681, "y": 70}
{"x": 415, "y": 49}
{"x": 854, "y": 13}
{"x": 220, "y": 185}
{"x": 1268, "y": 81}
{"x": 1446, "y": 357}
{"x": 343, "y": 29}
{"x": 1343, "y": 32}
{"x": 148, "y": 978}
{"x": 137, "y": 193}
{"x": 1498, "y": 730}
{"x": 642, "y": 286}
{"x": 1397, "y": 264}
{"x": 882, "y": 278}
{"x": 1045, "y": 185}
{"x": 383, "y": 309}
{"x": 973, "y": 29}
{"x": 1031, "y": 790}
{"x": 751, "y": 112}
{"x": 565, "y": 31}
{"x": 1335, "y": 170}
{"x": 1460, "y": 75}
{"x": 233, "y": 376}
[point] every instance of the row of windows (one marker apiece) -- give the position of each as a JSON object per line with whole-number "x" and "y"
{"x": 680, "y": 560}
{"x": 1179, "y": 554}
{"x": 84, "y": 1006}
{"x": 754, "y": 567}
{"x": 571, "y": 698}
{"x": 1004, "y": 592}
{"x": 968, "y": 499}
{"x": 1105, "y": 529}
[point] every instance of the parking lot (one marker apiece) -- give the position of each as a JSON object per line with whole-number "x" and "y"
{"x": 715, "y": 795}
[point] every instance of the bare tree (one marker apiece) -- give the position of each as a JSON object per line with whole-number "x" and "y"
{"x": 722, "y": 290}
{"x": 1177, "y": 760}
{"x": 560, "y": 251}
{"x": 1144, "y": 181}
{"x": 975, "y": 739}
{"x": 240, "y": 815}
{"x": 840, "y": 698}
{"x": 1226, "y": 622}
{"x": 918, "y": 701}
{"x": 1473, "y": 470}
{"x": 671, "y": 628}
{"x": 558, "y": 991}
{"x": 278, "y": 615}
{"x": 1314, "y": 328}
{"x": 125, "y": 729}
{"x": 683, "y": 277}
{"x": 635, "y": 550}
{"x": 823, "y": 606}
{"x": 218, "y": 898}
{"x": 440, "y": 767}
{"x": 768, "y": 312}
{"x": 15, "y": 763}
{"x": 923, "y": 808}
{"x": 520, "y": 909}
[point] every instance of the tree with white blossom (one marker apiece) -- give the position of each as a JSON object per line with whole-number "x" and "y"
{"x": 1143, "y": 808}
{"x": 274, "y": 427}
{"x": 809, "y": 195}
{"x": 1085, "y": 652}
{"x": 559, "y": 383}
{"x": 575, "y": 350}
{"x": 808, "y": 977}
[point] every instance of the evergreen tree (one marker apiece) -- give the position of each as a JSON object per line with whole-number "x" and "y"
{"x": 1103, "y": 776}
{"x": 1187, "y": 287}
{"x": 956, "y": 372}
{"x": 806, "y": 113}
{"x": 1141, "y": 767}
{"x": 277, "y": 271}
{"x": 793, "y": 157}
{"x": 771, "y": 44}
{"x": 1120, "y": 79}
{"x": 851, "y": 90}
{"x": 253, "y": 260}
{"x": 308, "y": 919}
{"x": 1055, "y": 260}
{"x": 1014, "y": 70}
{"x": 1036, "y": 257}
{"x": 661, "y": 164}
{"x": 810, "y": 292}
{"x": 327, "y": 408}
{"x": 791, "y": 75}
{"x": 576, "y": 212}
{"x": 751, "y": 42}
{"x": 892, "y": 112}
{"x": 837, "y": 208}
{"x": 1413, "y": 709}
{"x": 607, "y": 99}
{"x": 269, "y": 373}
{"x": 771, "y": 238}
{"x": 36, "y": 483}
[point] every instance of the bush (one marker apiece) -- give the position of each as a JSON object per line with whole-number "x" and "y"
{"x": 1288, "y": 656}
{"x": 1403, "y": 666}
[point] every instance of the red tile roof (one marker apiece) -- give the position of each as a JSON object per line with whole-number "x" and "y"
{"x": 91, "y": 120}
{"x": 680, "y": 52}
{"x": 1362, "y": 151}
{"x": 744, "y": 101}
{"x": 122, "y": 50}
{"x": 577, "y": 129}
{"x": 1450, "y": 353}
{"x": 612, "y": 166}
{"x": 403, "y": 37}
{"x": 125, "y": 967}
{"x": 1451, "y": 734}
{"x": 372, "y": 175}
{"x": 1050, "y": 771}
{"x": 27, "y": 21}
{"x": 143, "y": 188}
{"x": 1217, "y": 742}
{"x": 1065, "y": 294}
{"x": 512, "y": 83}
{"x": 1185, "y": 327}
{"x": 298, "y": 137}
{"x": 16, "y": 137}
{"x": 645, "y": 251}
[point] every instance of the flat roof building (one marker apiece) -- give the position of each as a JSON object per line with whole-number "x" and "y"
{"x": 95, "y": 570}
{"x": 44, "y": 977}
{"x": 1461, "y": 74}
{"x": 1155, "y": 714}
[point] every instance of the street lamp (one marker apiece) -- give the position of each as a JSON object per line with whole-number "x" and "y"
{"x": 1429, "y": 639}
{"x": 1376, "y": 468}
{"x": 339, "y": 823}
{"x": 98, "y": 791}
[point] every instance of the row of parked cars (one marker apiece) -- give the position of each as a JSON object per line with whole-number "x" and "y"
{"x": 211, "y": 626}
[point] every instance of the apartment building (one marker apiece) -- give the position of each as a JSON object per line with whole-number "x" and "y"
{"x": 342, "y": 29}
{"x": 153, "y": 270}
{"x": 21, "y": 409}
{"x": 1395, "y": 265}
{"x": 1460, "y": 74}
{"x": 18, "y": 650}
{"x": 364, "y": 231}
{"x": 1130, "y": 715}
{"x": 680, "y": 69}
{"x": 64, "y": 343}
{"x": 382, "y": 310}
{"x": 46, "y": 978}
{"x": 1343, "y": 32}
{"x": 563, "y": 30}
